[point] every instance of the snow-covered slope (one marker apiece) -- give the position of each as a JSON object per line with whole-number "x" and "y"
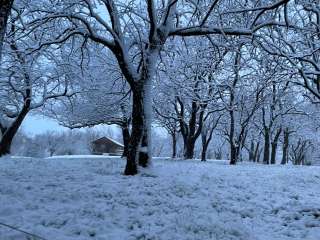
{"x": 81, "y": 199}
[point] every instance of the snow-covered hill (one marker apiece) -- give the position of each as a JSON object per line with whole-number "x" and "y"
{"x": 83, "y": 198}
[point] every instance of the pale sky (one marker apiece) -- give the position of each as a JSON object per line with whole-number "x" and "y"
{"x": 39, "y": 124}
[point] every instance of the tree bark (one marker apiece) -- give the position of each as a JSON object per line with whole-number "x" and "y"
{"x": 189, "y": 148}
{"x": 256, "y": 156}
{"x": 191, "y": 131}
{"x": 204, "y": 144}
{"x": 274, "y": 146}
{"x": 233, "y": 154}
{"x": 174, "y": 144}
{"x": 207, "y": 139}
{"x": 285, "y": 146}
{"x": 136, "y": 133}
{"x": 266, "y": 150}
{"x": 140, "y": 143}
{"x": 251, "y": 152}
{"x": 5, "y": 9}
{"x": 204, "y": 152}
{"x": 233, "y": 148}
{"x": 126, "y": 139}
{"x": 6, "y": 141}
{"x": 143, "y": 151}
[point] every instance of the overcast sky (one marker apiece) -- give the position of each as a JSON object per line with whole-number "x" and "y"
{"x": 40, "y": 124}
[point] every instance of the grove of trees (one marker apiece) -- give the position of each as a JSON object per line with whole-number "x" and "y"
{"x": 238, "y": 79}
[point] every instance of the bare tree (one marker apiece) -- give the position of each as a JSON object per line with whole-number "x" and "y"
{"x": 168, "y": 121}
{"x": 97, "y": 101}
{"x": 299, "y": 46}
{"x": 26, "y": 84}
{"x": 208, "y": 128}
{"x": 242, "y": 97}
{"x": 136, "y": 32}
{"x": 298, "y": 152}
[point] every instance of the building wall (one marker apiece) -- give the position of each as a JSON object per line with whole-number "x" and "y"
{"x": 100, "y": 148}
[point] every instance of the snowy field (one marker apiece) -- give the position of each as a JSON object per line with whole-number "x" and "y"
{"x": 83, "y": 198}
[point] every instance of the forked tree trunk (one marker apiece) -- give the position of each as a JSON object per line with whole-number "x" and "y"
{"x": 206, "y": 140}
{"x": 136, "y": 132}
{"x": 194, "y": 130}
{"x": 139, "y": 149}
{"x": 233, "y": 147}
{"x": 253, "y": 151}
{"x": 6, "y": 140}
{"x": 5, "y": 8}
{"x": 140, "y": 143}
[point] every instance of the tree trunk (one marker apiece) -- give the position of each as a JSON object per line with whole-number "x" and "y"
{"x": 143, "y": 151}
{"x": 233, "y": 147}
{"x": 238, "y": 155}
{"x": 266, "y": 150}
{"x": 51, "y": 152}
{"x": 204, "y": 152}
{"x": 274, "y": 146}
{"x": 256, "y": 156}
{"x": 206, "y": 140}
{"x": 251, "y": 152}
{"x": 146, "y": 146}
{"x": 6, "y": 141}
{"x": 204, "y": 144}
{"x": 189, "y": 149}
{"x": 233, "y": 150}
{"x": 139, "y": 143}
{"x": 136, "y": 133}
{"x": 285, "y": 146}
{"x": 126, "y": 139}
{"x": 5, "y": 8}
{"x": 174, "y": 144}
{"x": 233, "y": 154}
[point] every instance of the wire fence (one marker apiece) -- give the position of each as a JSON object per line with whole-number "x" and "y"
{"x": 30, "y": 236}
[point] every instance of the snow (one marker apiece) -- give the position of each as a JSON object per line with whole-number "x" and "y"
{"x": 82, "y": 156}
{"x": 114, "y": 141}
{"x": 88, "y": 198}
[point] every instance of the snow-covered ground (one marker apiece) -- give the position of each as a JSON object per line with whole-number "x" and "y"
{"x": 83, "y": 198}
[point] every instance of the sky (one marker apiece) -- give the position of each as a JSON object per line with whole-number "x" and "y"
{"x": 40, "y": 124}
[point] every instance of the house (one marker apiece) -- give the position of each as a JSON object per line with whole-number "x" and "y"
{"x": 106, "y": 146}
